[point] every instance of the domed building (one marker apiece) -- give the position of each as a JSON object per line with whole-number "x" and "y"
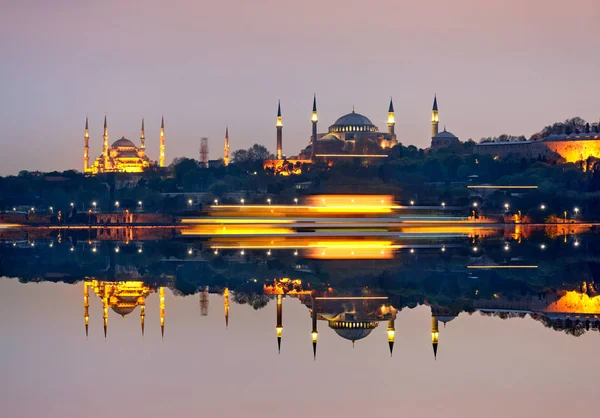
{"x": 440, "y": 139}
{"x": 351, "y": 136}
{"x": 123, "y": 156}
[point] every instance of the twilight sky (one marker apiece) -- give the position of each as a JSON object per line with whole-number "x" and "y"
{"x": 498, "y": 67}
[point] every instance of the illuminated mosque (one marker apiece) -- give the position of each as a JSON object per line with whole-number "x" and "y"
{"x": 122, "y": 156}
{"x": 351, "y": 136}
{"x": 122, "y": 298}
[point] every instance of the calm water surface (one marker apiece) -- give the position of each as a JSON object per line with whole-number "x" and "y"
{"x": 486, "y": 366}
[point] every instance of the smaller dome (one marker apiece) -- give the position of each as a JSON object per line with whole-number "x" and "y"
{"x": 123, "y": 143}
{"x": 123, "y": 310}
{"x": 445, "y": 318}
{"x": 329, "y": 137}
{"x": 445, "y": 134}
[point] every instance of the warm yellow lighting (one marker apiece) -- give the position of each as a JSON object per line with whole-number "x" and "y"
{"x": 391, "y": 119}
{"x": 279, "y": 331}
{"x": 391, "y": 335}
{"x": 279, "y": 123}
{"x": 314, "y": 118}
{"x": 314, "y": 335}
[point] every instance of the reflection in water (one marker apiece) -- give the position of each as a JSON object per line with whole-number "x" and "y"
{"x": 122, "y": 297}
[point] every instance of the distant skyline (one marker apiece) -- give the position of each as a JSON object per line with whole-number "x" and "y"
{"x": 497, "y": 67}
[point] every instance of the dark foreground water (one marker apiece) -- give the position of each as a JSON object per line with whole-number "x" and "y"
{"x": 514, "y": 326}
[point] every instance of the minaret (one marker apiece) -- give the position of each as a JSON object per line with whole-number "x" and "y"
{"x": 204, "y": 302}
{"x": 161, "y": 161}
{"x": 161, "y": 293}
{"x": 391, "y": 332}
{"x": 142, "y": 315}
{"x": 314, "y": 334}
{"x": 86, "y": 148}
{"x": 279, "y": 327}
{"x": 143, "y": 140}
{"x": 226, "y": 147}
{"x": 314, "y": 120}
{"x": 435, "y": 120}
{"x": 86, "y": 307}
{"x": 105, "y": 144}
{"x": 226, "y": 306}
{"x": 391, "y": 119}
{"x": 279, "y": 126}
{"x": 435, "y": 334}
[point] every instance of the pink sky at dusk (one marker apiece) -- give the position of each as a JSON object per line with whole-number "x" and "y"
{"x": 497, "y": 67}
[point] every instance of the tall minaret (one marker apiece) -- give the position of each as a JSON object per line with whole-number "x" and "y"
{"x": 161, "y": 161}
{"x": 391, "y": 332}
{"x": 279, "y": 126}
{"x": 105, "y": 311}
{"x": 86, "y": 148}
{"x": 143, "y": 140}
{"x": 314, "y": 120}
{"x": 435, "y": 120}
{"x": 226, "y": 147}
{"x": 314, "y": 334}
{"x": 391, "y": 119}
{"x": 279, "y": 327}
{"x": 105, "y": 143}
{"x": 435, "y": 335}
{"x": 86, "y": 307}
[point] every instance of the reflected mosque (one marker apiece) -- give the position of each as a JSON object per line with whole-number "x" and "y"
{"x": 122, "y": 298}
{"x": 123, "y": 156}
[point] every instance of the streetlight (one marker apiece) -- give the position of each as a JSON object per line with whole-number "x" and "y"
{"x": 296, "y": 200}
{"x": 543, "y": 207}
{"x": 576, "y": 210}
{"x": 444, "y": 205}
{"x": 242, "y": 201}
{"x": 506, "y": 206}
{"x": 72, "y": 204}
{"x": 475, "y": 204}
{"x": 216, "y": 201}
{"x": 94, "y": 205}
{"x": 190, "y": 202}
{"x": 117, "y": 204}
{"x": 140, "y": 204}
{"x": 51, "y": 209}
{"x": 269, "y": 201}
{"x": 412, "y": 202}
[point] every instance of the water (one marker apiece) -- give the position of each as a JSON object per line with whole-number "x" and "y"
{"x": 487, "y": 364}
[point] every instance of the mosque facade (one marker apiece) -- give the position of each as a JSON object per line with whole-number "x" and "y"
{"x": 123, "y": 156}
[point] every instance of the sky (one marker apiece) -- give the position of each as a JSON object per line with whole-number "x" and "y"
{"x": 486, "y": 367}
{"x": 497, "y": 67}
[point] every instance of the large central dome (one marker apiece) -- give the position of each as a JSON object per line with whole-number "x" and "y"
{"x": 353, "y": 122}
{"x": 123, "y": 143}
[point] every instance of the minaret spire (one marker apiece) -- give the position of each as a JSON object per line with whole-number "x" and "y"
{"x": 86, "y": 307}
{"x": 226, "y": 306}
{"x": 161, "y": 160}
{"x": 314, "y": 120}
{"x": 391, "y": 118}
{"x": 226, "y": 147}
{"x": 86, "y": 148}
{"x": 105, "y": 312}
{"x": 279, "y": 127}
{"x": 143, "y": 139}
{"x": 435, "y": 120}
{"x": 314, "y": 334}
{"x": 142, "y": 316}
{"x": 161, "y": 293}
{"x": 105, "y": 144}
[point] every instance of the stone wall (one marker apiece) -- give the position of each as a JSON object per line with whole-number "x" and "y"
{"x": 573, "y": 151}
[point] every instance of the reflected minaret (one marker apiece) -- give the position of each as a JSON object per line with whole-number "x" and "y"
{"x": 435, "y": 334}
{"x": 86, "y": 307}
{"x": 314, "y": 334}
{"x": 391, "y": 119}
{"x": 86, "y": 148}
{"x": 279, "y": 326}
{"x": 314, "y": 120}
{"x": 279, "y": 127}
{"x": 105, "y": 312}
{"x": 391, "y": 332}
{"x": 142, "y": 140}
{"x": 143, "y": 315}
{"x": 226, "y": 306}
{"x": 204, "y": 302}
{"x": 161, "y": 292}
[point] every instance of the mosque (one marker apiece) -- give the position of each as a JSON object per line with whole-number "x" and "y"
{"x": 440, "y": 139}
{"x": 123, "y": 156}
{"x": 122, "y": 298}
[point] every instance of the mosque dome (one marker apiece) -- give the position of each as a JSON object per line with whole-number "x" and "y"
{"x": 123, "y": 143}
{"x": 123, "y": 310}
{"x": 445, "y": 318}
{"x": 446, "y": 134}
{"x": 353, "y": 122}
{"x": 351, "y": 330}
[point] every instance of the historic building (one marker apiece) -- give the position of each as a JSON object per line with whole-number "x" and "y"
{"x": 123, "y": 156}
{"x": 440, "y": 139}
{"x": 122, "y": 297}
